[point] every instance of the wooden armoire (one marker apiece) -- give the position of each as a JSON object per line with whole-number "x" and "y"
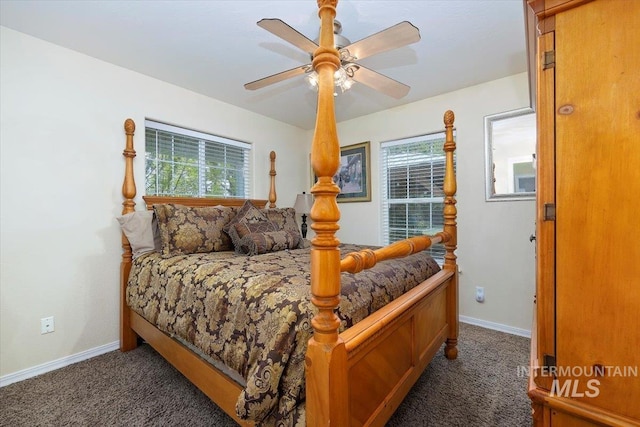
{"x": 585, "y": 355}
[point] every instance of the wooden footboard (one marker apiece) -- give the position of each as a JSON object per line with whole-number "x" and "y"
{"x": 387, "y": 352}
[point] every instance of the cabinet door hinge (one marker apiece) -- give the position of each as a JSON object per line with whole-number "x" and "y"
{"x": 549, "y": 212}
{"x": 548, "y": 361}
{"x": 549, "y": 60}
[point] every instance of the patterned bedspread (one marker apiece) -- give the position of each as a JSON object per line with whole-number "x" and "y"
{"x": 253, "y": 313}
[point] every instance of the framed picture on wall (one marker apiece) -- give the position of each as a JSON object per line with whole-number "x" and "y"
{"x": 354, "y": 175}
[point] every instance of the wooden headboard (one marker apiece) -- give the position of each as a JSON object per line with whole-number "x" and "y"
{"x": 200, "y": 201}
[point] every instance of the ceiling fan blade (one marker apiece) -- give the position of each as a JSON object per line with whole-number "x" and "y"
{"x": 288, "y": 33}
{"x": 275, "y": 78}
{"x": 399, "y": 35}
{"x": 380, "y": 82}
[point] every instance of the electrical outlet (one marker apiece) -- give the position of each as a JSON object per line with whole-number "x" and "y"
{"x": 479, "y": 294}
{"x": 46, "y": 325}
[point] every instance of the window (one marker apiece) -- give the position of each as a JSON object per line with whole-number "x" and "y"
{"x": 412, "y": 177}
{"x": 510, "y": 146}
{"x": 182, "y": 162}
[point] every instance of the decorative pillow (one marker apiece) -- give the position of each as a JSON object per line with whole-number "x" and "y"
{"x": 141, "y": 229}
{"x": 285, "y": 219}
{"x": 242, "y": 228}
{"x": 247, "y": 214}
{"x": 271, "y": 241}
{"x": 188, "y": 230}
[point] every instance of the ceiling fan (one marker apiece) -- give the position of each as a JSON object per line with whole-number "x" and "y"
{"x": 393, "y": 37}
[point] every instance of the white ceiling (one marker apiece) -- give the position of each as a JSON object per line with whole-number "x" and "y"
{"x": 214, "y": 47}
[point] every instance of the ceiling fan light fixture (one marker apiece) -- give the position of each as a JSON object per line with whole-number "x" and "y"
{"x": 342, "y": 78}
{"x": 312, "y": 80}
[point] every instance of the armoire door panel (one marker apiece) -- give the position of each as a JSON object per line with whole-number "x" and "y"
{"x": 598, "y": 199}
{"x": 545, "y": 195}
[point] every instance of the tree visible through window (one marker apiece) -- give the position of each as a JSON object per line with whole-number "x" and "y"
{"x": 181, "y": 162}
{"x": 412, "y": 172}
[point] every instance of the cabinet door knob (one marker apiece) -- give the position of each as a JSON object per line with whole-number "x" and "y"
{"x": 532, "y": 237}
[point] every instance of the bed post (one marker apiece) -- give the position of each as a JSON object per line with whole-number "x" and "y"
{"x": 326, "y": 396}
{"x": 451, "y": 229}
{"x": 128, "y": 338}
{"x": 272, "y": 180}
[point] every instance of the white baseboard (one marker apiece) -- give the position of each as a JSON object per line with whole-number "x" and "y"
{"x": 57, "y": 364}
{"x": 496, "y": 326}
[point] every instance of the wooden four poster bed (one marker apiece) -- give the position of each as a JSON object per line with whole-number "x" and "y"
{"x": 356, "y": 368}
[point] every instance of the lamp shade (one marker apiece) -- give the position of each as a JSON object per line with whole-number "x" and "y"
{"x": 303, "y": 204}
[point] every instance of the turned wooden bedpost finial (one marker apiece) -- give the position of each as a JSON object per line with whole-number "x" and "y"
{"x": 272, "y": 178}
{"x": 325, "y": 159}
{"x": 325, "y": 398}
{"x": 450, "y": 210}
{"x": 451, "y": 230}
{"x": 128, "y": 338}
{"x": 129, "y": 185}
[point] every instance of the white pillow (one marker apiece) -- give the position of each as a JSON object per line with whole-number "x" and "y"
{"x": 141, "y": 229}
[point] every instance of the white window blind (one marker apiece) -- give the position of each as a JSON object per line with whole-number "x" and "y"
{"x": 412, "y": 179}
{"x": 182, "y": 162}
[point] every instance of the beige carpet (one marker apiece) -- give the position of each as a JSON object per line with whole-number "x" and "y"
{"x": 481, "y": 388}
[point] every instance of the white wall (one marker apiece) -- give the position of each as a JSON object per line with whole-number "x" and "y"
{"x": 62, "y": 138}
{"x": 493, "y": 246}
